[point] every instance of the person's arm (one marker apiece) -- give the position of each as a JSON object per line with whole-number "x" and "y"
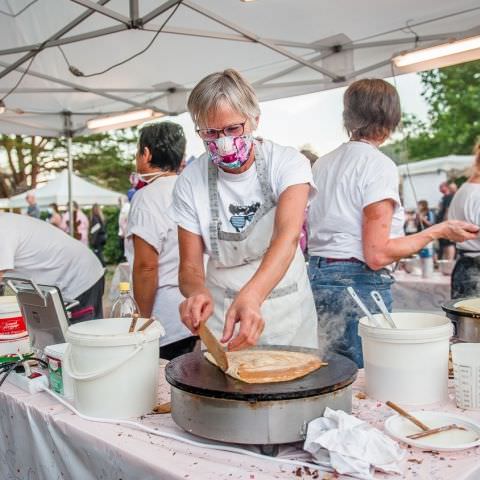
{"x": 145, "y": 275}
{"x": 379, "y": 250}
{"x": 198, "y": 304}
{"x": 284, "y": 243}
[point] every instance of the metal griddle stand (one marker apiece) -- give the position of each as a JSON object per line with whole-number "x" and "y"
{"x": 209, "y": 404}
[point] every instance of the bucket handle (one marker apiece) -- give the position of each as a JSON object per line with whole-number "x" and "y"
{"x": 99, "y": 373}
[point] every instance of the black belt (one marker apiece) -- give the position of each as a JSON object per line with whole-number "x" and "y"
{"x": 342, "y": 260}
{"x": 463, "y": 252}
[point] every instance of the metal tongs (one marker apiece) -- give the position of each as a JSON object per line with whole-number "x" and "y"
{"x": 372, "y": 320}
{"x": 377, "y": 298}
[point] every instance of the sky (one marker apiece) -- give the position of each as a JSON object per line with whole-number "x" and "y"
{"x": 314, "y": 119}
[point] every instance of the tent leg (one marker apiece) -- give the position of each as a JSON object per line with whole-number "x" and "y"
{"x": 67, "y": 118}
{"x": 70, "y": 196}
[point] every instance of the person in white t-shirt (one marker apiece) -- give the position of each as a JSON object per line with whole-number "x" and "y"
{"x": 151, "y": 243}
{"x": 356, "y": 221}
{"x": 466, "y": 206}
{"x": 34, "y": 249}
{"x": 242, "y": 203}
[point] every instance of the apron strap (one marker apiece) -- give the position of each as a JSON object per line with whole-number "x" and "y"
{"x": 267, "y": 192}
{"x": 214, "y": 209}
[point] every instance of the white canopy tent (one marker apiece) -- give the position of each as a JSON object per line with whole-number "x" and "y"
{"x": 420, "y": 180}
{"x": 56, "y": 191}
{"x": 58, "y": 57}
{"x": 285, "y": 47}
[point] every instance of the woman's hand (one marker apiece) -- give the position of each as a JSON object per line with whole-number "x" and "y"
{"x": 246, "y": 310}
{"x": 196, "y": 309}
{"x": 457, "y": 231}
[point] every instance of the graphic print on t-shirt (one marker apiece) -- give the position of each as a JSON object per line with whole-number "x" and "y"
{"x": 242, "y": 214}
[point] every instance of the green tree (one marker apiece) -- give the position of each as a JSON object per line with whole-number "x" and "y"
{"x": 105, "y": 158}
{"x": 453, "y": 124}
{"x": 26, "y": 158}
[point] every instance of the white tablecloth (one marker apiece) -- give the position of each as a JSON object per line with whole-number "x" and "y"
{"x": 41, "y": 439}
{"x": 412, "y": 292}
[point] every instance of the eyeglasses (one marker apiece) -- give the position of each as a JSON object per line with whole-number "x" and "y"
{"x": 234, "y": 130}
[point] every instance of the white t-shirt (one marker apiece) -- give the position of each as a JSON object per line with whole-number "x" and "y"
{"x": 348, "y": 179}
{"x": 34, "y": 249}
{"x": 148, "y": 220}
{"x": 466, "y": 206}
{"x": 240, "y": 195}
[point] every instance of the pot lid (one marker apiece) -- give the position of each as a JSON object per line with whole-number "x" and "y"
{"x": 452, "y": 307}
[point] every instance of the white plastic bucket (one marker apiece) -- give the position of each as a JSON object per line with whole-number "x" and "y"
{"x": 408, "y": 364}
{"x": 115, "y": 373}
{"x": 9, "y": 303}
{"x": 13, "y": 333}
{"x": 466, "y": 371}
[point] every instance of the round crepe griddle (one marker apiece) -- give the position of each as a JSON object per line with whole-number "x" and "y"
{"x": 193, "y": 373}
{"x": 449, "y": 307}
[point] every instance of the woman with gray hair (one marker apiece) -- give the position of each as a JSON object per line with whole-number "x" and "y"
{"x": 242, "y": 204}
{"x": 356, "y": 220}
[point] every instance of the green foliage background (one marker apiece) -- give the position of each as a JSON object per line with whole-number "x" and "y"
{"x": 453, "y": 124}
{"x": 112, "y": 252}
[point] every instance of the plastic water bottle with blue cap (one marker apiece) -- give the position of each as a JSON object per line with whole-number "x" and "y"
{"x": 426, "y": 260}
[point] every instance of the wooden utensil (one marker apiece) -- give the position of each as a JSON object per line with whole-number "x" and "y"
{"x": 213, "y": 346}
{"x": 426, "y": 431}
{"x": 146, "y": 324}
{"x": 133, "y": 323}
{"x": 407, "y": 415}
{"x": 433, "y": 431}
{"x": 163, "y": 408}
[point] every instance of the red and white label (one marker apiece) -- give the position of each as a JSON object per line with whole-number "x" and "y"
{"x": 12, "y": 326}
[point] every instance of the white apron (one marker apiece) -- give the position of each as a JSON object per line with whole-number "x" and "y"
{"x": 289, "y": 311}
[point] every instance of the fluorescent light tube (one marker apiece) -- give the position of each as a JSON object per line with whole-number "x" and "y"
{"x": 122, "y": 120}
{"x": 438, "y": 56}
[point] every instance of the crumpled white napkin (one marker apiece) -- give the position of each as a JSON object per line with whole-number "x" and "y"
{"x": 350, "y": 446}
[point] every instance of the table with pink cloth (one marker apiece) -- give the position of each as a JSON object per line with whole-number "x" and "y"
{"x": 41, "y": 439}
{"x": 412, "y": 292}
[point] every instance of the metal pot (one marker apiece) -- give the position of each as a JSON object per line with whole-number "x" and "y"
{"x": 467, "y": 324}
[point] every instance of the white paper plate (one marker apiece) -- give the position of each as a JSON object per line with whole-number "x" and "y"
{"x": 450, "y": 441}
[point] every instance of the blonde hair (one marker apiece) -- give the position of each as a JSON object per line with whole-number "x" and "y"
{"x": 227, "y": 87}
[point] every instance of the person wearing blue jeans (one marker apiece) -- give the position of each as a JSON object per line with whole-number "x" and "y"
{"x": 337, "y": 312}
{"x": 356, "y": 219}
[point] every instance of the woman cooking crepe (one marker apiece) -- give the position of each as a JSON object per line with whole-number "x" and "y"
{"x": 242, "y": 204}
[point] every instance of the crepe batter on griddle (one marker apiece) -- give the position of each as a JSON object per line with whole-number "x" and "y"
{"x": 268, "y": 366}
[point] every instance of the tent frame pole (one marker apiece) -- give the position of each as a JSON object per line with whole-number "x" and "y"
{"x": 70, "y": 26}
{"x": 108, "y": 12}
{"x": 69, "y": 134}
